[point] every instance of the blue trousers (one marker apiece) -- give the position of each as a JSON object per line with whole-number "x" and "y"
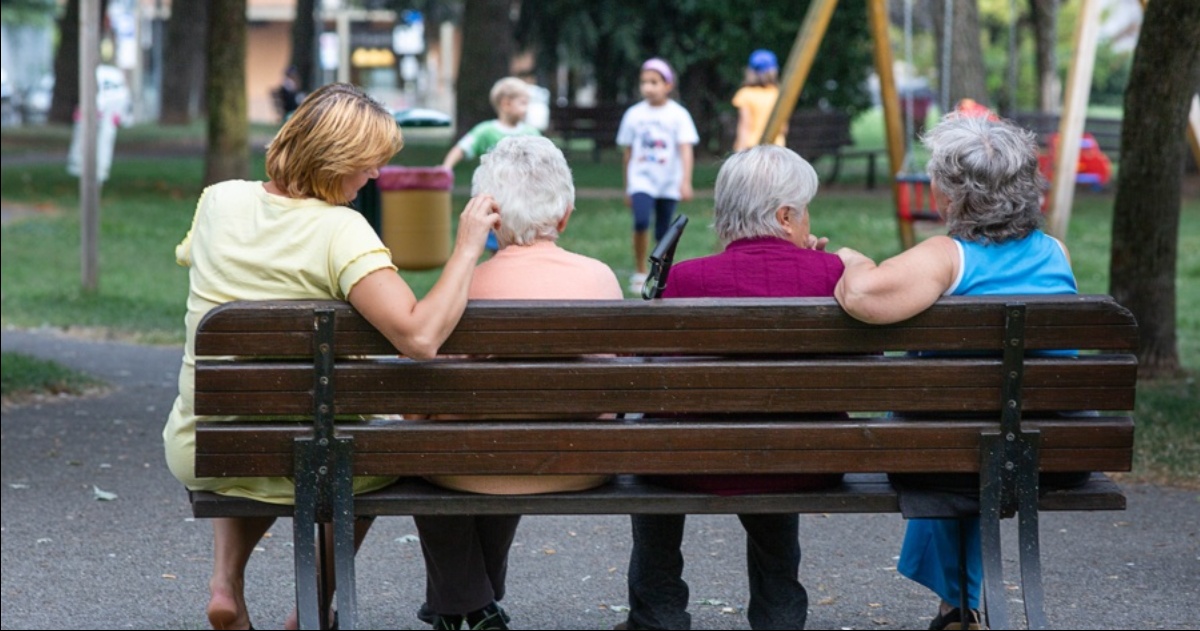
{"x": 930, "y": 557}
{"x": 658, "y": 595}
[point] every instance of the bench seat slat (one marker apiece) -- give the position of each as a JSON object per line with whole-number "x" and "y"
{"x": 860, "y": 493}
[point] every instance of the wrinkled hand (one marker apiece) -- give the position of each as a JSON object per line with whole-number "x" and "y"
{"x": 480, "y": 216}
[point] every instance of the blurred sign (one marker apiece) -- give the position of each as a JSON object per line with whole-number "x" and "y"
{"x": 408, "y": 38}
{"x": 329, "y": 51}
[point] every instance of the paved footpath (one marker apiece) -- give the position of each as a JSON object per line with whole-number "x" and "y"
{"x": 71, "y": 561}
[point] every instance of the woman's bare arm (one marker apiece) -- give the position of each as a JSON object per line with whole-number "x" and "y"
{"x": 417, "y": 328}
{"x": 899, "y": 287}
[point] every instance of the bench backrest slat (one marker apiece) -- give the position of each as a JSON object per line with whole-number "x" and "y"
{"x": 649, "y": 447}
{"x": 603, "y": 385}
{"x": 694, "y": 326}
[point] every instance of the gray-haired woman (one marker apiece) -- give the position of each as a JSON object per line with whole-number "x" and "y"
{"x": 985, "y": 182}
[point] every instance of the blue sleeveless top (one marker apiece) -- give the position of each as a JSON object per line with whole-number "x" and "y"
{"x": 1036, "y": 264}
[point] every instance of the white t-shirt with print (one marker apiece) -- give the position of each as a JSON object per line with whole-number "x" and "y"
{"x": 653, "y": 134}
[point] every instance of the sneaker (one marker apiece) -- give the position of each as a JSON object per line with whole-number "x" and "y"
{"x": 952, "y": 620}
{"x": 490, "y": 617}
{"x": 636, "y": 281}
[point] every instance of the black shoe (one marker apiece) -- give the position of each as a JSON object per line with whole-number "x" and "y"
{"x": 425, "y": 614}
{"x": 952, "y": 620}
{"x": 490, "y": 617}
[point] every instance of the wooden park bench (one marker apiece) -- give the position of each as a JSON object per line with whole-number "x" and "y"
{"x": 817, "y": 134}
{"x": 713, "y": 386}
{"x": 598, "y": 123}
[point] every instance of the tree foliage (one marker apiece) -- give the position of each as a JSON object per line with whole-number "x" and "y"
{"x": 37, "y": 12}
{"x": 707, "y": 43}
{"x": 1146, "y": 215}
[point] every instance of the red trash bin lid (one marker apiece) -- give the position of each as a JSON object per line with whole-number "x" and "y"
{"x": 398, "y": 178}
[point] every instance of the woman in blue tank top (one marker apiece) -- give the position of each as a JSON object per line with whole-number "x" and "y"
{"x": 985, "y": 182}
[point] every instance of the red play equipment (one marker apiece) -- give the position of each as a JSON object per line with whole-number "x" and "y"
{"x": 914, "y": 200}
{"x": 1094, "y": 167}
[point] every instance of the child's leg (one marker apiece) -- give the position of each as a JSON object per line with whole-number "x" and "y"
{"x": 643, "y": 205}
{"x": 664, "y": 211}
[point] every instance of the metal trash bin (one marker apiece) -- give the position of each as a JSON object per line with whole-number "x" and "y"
{"x": 414, "y": 220}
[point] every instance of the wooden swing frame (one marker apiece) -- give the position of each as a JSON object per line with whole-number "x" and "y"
{"x": 804, "y": 52}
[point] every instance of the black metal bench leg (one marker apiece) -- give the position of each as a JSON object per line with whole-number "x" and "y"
{"x": 990, "y": 510}
{"x": 343, "y": 534}
{"x": 305, "y": 535}
{"x": 1028, "y": 537}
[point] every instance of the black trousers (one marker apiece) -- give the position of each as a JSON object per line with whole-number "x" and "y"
{"x": 466, "y": 560}
{"x": 658, "y": 595}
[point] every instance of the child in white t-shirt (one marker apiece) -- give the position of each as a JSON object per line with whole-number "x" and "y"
{"x": 658, "y": 135}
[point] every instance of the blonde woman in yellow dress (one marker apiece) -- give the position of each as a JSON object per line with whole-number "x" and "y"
{"x": 293, "y": 237}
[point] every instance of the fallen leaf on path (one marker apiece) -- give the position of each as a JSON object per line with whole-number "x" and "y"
{"x": 102, "y": 495}
{"x": 170, "y": 577}
{"x": 408, "y": 539}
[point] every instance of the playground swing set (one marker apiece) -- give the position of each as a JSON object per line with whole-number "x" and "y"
{"x": 1070, "y": 156}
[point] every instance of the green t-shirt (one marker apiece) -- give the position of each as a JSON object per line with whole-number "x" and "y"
{"x": 487, "y": 134}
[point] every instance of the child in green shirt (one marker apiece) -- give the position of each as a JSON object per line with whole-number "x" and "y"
{"x": 510, "y": 98}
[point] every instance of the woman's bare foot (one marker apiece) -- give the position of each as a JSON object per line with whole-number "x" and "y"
{"x": 225, "y": 611}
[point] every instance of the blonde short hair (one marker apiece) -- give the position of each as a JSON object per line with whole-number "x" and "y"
{"x": 507, "y": 88}
{"x": 336, "y": 131}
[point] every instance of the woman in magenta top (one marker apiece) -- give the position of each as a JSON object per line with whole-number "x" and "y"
{"x": 761, "y": 215}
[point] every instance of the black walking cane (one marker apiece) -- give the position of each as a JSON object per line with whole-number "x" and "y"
{"x": 661, "y": 257}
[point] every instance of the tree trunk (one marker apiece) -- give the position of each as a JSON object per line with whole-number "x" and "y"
{"x": 1044, "y": 15}
{"x": 968, "y": 75}
{"x": 65, "y": 97}
{"x": 183, "y": 63}
{"x": 304, "y": 44}
{"x": 228, "y": 153}
{"x": 1164, "y": 76}
{"x": 487, "y": 51}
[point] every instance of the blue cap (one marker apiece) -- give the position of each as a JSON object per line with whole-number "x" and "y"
{"x": 763, "y": 60}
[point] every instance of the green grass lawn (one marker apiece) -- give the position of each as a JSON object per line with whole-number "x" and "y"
{"x": 22, "y": 376}
{"x": 147, "y": 207}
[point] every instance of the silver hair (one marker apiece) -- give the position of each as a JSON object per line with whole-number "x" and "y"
{"x": 531, "y": 182}
{"x": 753, "y": 184}
{"x": 988, "y": 172}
